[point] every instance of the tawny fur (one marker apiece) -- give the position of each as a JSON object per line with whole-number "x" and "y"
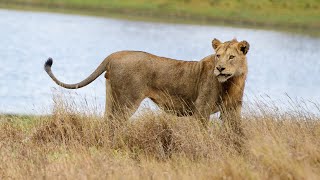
{"x": 183, "y": 87}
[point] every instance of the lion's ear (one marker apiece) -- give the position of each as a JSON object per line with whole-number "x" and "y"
{"x": 244, "y": 47}
{"x": 215, "y": 43}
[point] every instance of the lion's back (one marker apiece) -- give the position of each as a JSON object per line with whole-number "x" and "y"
{"x": 137, "y": 68}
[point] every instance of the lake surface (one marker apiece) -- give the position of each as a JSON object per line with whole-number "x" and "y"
{"x": 280, "y": 64}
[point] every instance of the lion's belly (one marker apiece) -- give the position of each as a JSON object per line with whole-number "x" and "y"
{"x": 174, "y": 103}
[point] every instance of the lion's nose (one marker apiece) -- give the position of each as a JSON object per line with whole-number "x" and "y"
{"x": 220, "y": 68}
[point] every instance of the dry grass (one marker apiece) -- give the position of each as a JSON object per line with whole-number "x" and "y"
{"x": 73, "y": 145}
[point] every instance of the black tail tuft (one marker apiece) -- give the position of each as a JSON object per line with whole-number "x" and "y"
{"x": 48, "y": 64}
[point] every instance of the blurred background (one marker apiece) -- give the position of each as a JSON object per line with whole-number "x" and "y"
{"x": 284, "y": 65}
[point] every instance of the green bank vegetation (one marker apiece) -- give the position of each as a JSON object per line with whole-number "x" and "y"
{"x": 293, "y": 15}
{"x": 70, "y": 145}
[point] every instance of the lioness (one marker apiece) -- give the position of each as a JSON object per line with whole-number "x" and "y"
{"x": 213, "y": 84}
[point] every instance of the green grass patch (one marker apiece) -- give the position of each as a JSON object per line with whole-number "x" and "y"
{"x": 22, "y": 122}
{"x": 294, "y": 15}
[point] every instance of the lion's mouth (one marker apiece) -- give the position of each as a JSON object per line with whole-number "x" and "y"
{"x": 225, "y": 75}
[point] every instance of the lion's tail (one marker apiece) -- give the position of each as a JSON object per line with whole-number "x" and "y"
{"x": 100, "y": 69}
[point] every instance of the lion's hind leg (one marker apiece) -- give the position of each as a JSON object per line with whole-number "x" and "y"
{"x": 110, "y": 103}
{"x": 118, "y": 108}
{"x": 121, "y": 105}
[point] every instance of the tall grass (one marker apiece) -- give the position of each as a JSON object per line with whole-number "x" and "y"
{"x": 71, "y": 144}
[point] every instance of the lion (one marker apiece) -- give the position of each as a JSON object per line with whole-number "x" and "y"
{"x": 199, "y": 88}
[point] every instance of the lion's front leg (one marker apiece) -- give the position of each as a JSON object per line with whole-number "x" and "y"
{"x": 202, "y": 112}
{"x": 233, "y": 132}
{"x": 206, "y": 103}
{"x": 231, "y": 118}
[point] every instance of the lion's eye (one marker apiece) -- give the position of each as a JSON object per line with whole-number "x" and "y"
{"x": 218, "y": 55}
{"x": 231, "y": 57}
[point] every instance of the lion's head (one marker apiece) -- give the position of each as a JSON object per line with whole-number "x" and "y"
{"x": 230, "y": 59}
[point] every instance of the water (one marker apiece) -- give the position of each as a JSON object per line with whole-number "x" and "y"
{"x": 280, "y": 64}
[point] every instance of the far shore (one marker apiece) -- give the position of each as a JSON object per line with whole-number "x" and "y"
{"x": 309, "y": 26}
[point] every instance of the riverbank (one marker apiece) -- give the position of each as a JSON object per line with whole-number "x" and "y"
{"x": 293, "y": 16}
